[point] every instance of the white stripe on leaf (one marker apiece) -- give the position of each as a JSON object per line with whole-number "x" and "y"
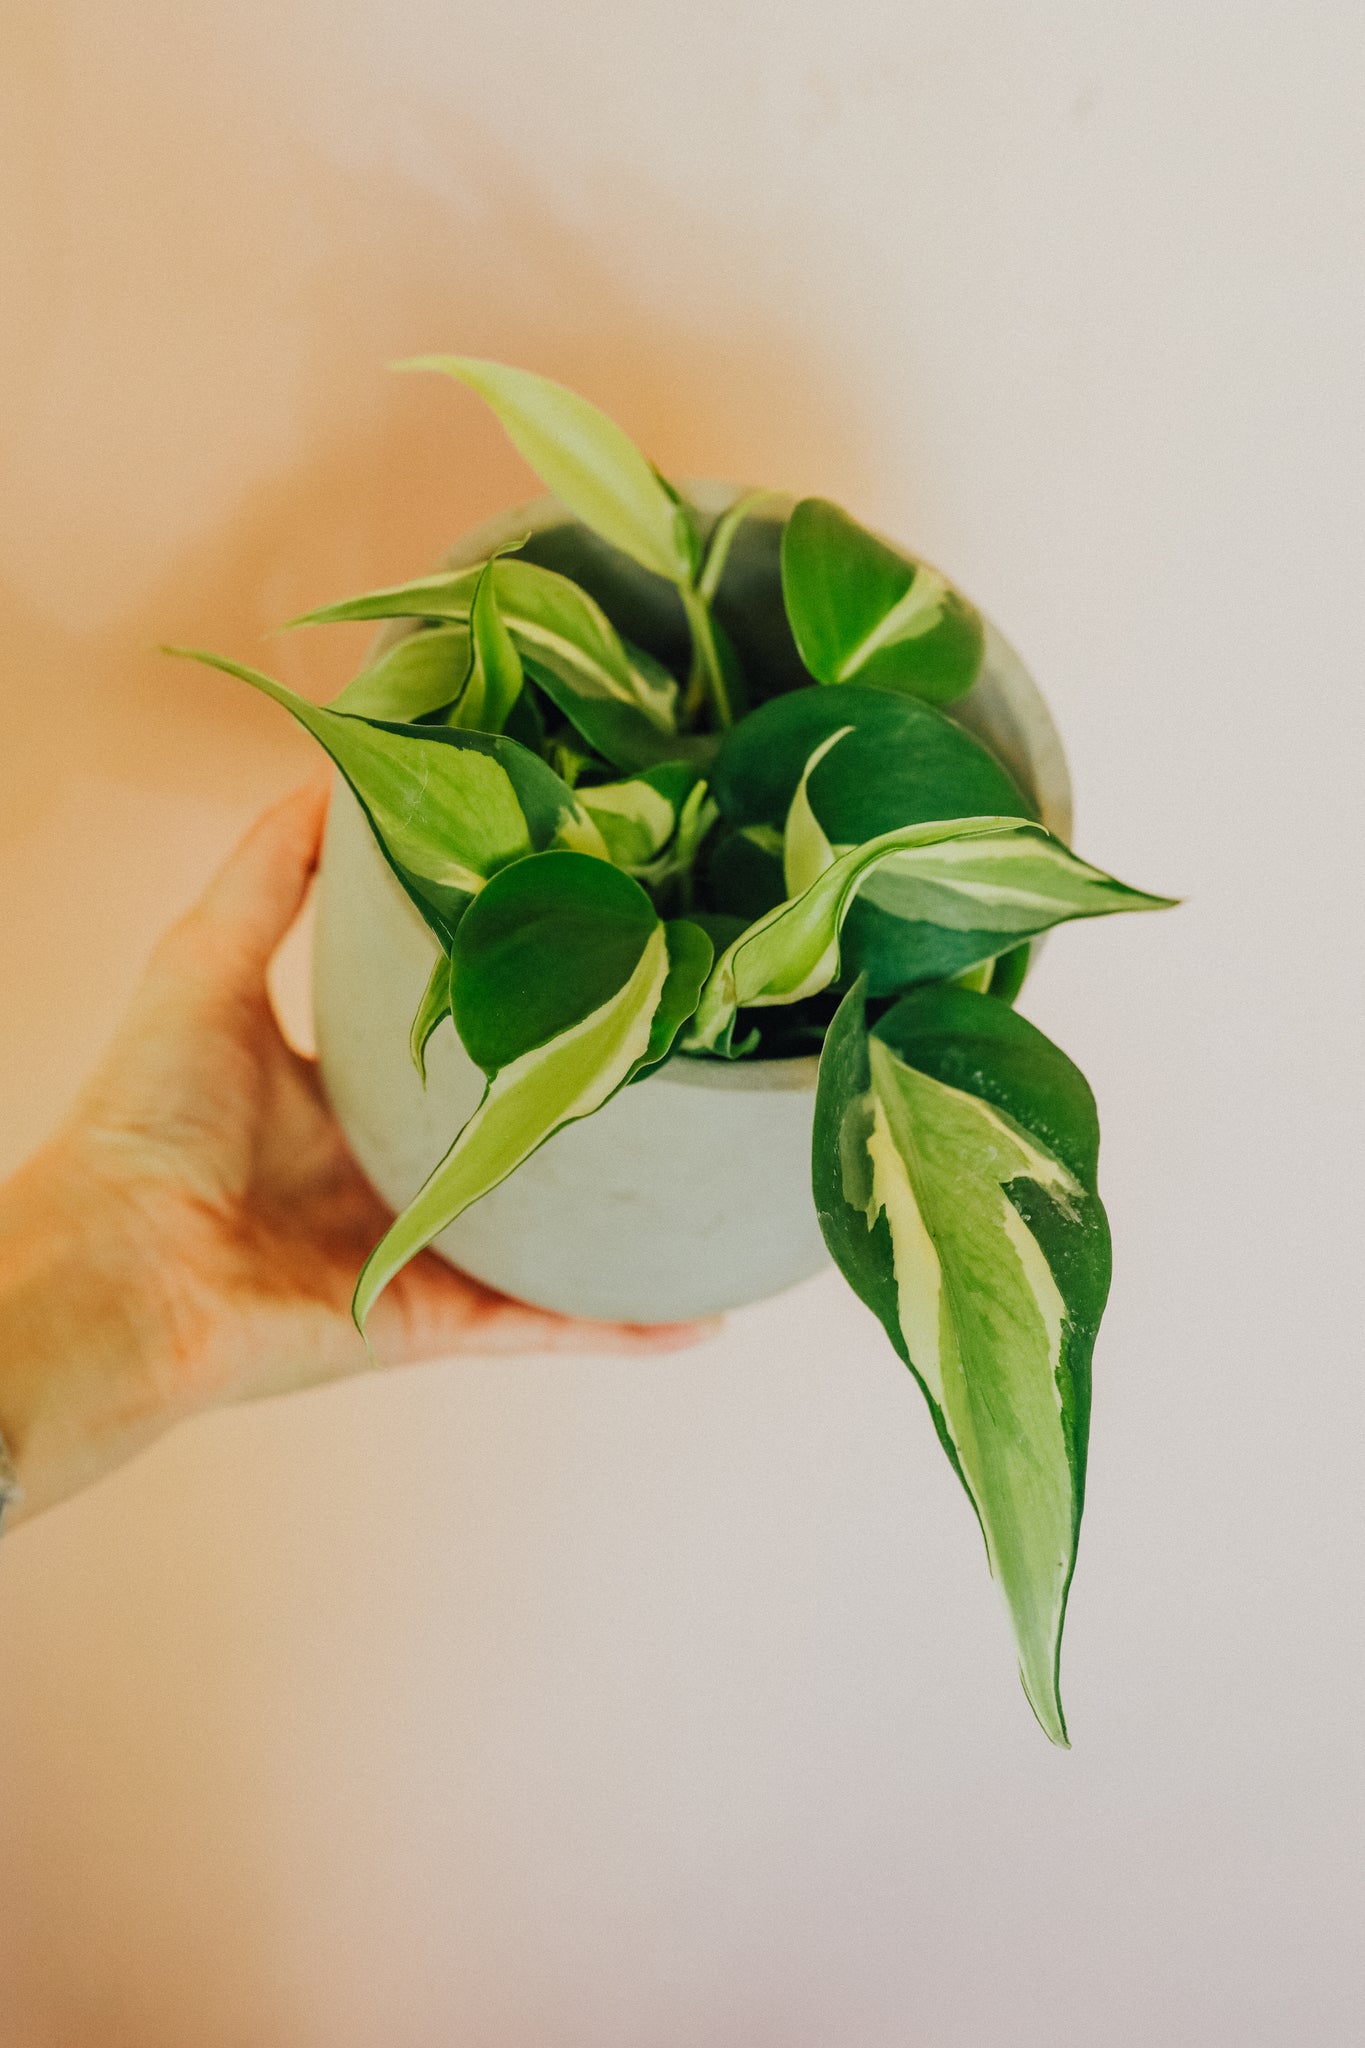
{"x": 524, "y": 1104}
{"x": 792, "y": 951}
{"x": 984, "y": 1325}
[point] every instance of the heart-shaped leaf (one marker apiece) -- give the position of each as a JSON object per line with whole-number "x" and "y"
{"x": 449, "y": 809}
{"x": 901, "y": 763}
{"x": 961, "y": 873}
{"x": 954, "y": 1170}
{"x": 565, "y": 986}
{"x": 863, "y": 613}
{"x": 590, "y": 464}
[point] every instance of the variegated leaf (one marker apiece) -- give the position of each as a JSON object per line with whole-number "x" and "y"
{"x": 902, "y": 763}
{"x": 590, "y": 464}
{"x": 494, "y": 679}
{"x": 954, "y": 1168}
{"x": 623, "y": 702}
{"x": 449, "y": 808}
{"x": 862, "y": 612}
{"x": 656, "y": 816}
{"x": 967, "y": 874}
{"x": 432, "y": 1011}
{"x": 422, "y": 673}
{"x": 565, "y": 986}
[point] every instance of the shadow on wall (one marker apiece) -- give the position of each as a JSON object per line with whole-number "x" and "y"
{"x": 371, "y": 475}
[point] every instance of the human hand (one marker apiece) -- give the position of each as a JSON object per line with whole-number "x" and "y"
{"x": 192, "y": 1235}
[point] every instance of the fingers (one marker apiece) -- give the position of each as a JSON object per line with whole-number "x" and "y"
{"x": 432, "y": 1311}
{"x": 258, "y": 892}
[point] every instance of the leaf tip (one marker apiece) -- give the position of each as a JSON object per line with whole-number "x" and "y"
{"x": 1040, "y": 1676}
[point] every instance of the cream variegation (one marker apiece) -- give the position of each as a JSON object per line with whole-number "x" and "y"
{"x": 918, "y": 612}
{"x": 970, "y": 874}
{"x": 580, "y": 827}
{"x": 983, "y": 1321}
{"x": 635, "y": 821}
{"x": 806, "y": 852}
{"x": 524, "y": 1104}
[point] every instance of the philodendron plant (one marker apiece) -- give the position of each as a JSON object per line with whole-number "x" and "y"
{"x": 762, "y": 837}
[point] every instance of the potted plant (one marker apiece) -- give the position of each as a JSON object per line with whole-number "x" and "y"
{"x": 692, "y": 851}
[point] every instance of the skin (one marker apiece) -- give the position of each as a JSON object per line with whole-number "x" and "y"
{"x": 191, "y": 1236}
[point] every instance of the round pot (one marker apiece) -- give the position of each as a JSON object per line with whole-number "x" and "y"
{"x": 690, "y": 1191}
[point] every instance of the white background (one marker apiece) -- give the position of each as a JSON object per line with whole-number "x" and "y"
{"x": 618, "y": 1705}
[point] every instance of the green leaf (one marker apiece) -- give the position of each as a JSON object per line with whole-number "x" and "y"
{"x": 690, "y": 953}
{"x": 637, "y": 818}
{"x": 449, "y": 808}
{"x": 584, "y": 916}
{"x": 744, "y": 873}
{"x": 960, "y": 873}
{"x": 424, "y": 672}
{"x": 1008, "y": 972}
{"x": 620, "y": 732}
{"x": 493, "y": 683}
{"x": 594, "y": 468}
{"x": 954, "y": 1171}
{"x": 862, "y": 612}
{"x": 564, "y": 985}
{"x": 433, "y": 1009}
{"x": 622, "y": 702}
{"x": 902, "y": 763}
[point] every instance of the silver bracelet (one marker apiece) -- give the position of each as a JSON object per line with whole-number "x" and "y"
{"x": 11, "y": 1492}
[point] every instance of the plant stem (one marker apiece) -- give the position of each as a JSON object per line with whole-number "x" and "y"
{"x": 707, "y": 678}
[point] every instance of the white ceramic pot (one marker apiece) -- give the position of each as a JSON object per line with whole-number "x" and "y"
{"x": 690, "y": 1192}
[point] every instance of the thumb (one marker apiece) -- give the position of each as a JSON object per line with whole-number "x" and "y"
{"x": 254, "y": 898}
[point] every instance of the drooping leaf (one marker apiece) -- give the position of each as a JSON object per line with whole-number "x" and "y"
{"x": 960, "y": 873}
{"x": 433, "y": 1009}
{"x": 424, "y": 672}
{"x": 564, "y": 986}
{"x": 589, "y": 463}
{"x": 449, "y": 808}
{"x": 954, "y": 1171}
{"x": 861, "y": 612}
